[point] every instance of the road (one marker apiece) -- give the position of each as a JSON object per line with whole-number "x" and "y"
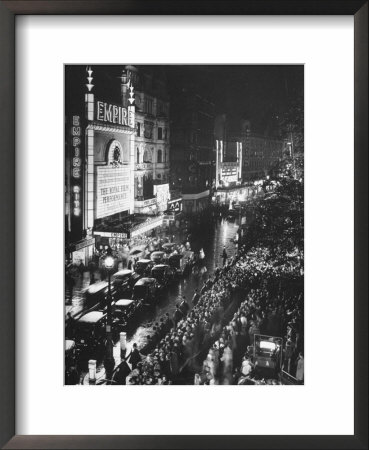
{"x": 212, "y": 241}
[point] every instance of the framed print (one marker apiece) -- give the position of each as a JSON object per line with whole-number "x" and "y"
{"x": 184, "y": 224}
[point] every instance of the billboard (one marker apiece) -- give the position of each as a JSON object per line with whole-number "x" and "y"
{"x": 112, "y": 190}
{"x": 162, "y": 195}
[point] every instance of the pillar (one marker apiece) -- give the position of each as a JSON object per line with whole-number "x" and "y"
{"x": 92, "y": 371}
{"x": 123, "y": 344}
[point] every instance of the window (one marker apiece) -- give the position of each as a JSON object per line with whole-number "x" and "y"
{"x": 160, "y": 156}
{"x": 138, "y": 155}
{"x": 160, "y": 133}
{"x": 138, "y": 129}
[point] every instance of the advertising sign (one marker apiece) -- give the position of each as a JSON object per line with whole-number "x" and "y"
{"x": 162, "y": 195}
{"x": 175, "y": 205}
{"x": 112, "y": 190}
{"x": 111, "y": 234}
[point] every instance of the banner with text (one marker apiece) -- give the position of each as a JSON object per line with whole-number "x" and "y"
{"x": 112, "y": 190}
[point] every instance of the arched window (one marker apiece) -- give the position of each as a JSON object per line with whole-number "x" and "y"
{"x": 147, "y": 157}
{"x": 160, "y": 156}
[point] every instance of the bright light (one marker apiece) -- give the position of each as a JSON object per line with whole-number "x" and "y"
{"x": 109, "y": 262}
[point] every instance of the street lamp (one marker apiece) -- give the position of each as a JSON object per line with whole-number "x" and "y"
{"x": 109, "y": 361}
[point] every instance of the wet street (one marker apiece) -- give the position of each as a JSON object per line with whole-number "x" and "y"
{"x": 212, "y": 242}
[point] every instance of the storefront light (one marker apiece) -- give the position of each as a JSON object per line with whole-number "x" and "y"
{"x": 109, "y": 262}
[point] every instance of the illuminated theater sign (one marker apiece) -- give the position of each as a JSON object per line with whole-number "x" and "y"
{"x": 76, "y": 132}
{"x": 112, "y": 190}
{"x": 107, "y": 112}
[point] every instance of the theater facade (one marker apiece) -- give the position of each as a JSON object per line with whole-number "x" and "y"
{"x": 99, "y": 178}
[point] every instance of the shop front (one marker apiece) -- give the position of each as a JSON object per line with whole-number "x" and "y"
{"x": 81, "y": 252}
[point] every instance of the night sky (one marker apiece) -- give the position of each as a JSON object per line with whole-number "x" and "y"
{"x": 259, "y": 93}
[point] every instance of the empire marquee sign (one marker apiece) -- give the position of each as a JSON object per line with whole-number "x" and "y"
{"x": 107, "y": 112}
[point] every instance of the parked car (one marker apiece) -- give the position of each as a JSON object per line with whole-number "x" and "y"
{"x": 158, "y": 257}
{"x": 177, "y": 263}
{"x": 124, "y": 280}
{"x": 90, "y": 326}
{"x": 146, "y": 289}
{"x": 143, "y": 267}
{"x": 232, "y": 215}
{"x": 163, "y": 273}
{"x": 95, "y": 294}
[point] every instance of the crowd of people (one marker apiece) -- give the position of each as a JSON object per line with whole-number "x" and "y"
{"x": 271, "y": 304}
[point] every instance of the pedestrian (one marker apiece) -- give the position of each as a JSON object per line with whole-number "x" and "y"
{"x": 300, "y": 368}
{"x": 121, "y": 373}
{"x": 224, "y": 256}
{"x": 178, "y": 315}
{"x": 69, "y": 280}
{"x": 134, "y": 357}
{"x": 184, "y": 306}
{"x": 195, "y": 297}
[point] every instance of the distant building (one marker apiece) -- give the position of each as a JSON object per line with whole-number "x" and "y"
{"x": 192, "y": 152}
{"x": 260, "y": 153}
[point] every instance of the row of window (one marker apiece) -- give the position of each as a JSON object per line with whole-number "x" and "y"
{"x": 146, "y": 156}
{"x": 162, "y": 133}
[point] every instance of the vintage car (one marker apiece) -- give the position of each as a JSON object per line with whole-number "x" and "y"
{"x": 158, "y": 257}
{"x": 177, "y": 263}
{"x": 143, "y": 267}
{"x": 95, "y": 294}
{"x": 163, "y": 273}
{"x": 124, "y": 280}
{"x": 90, "y": 335}
{"x": 125, "y": 311}
{"x": 146, "y": 289}
{"x": 232, "y": 215}
{"x": 267, "y": 353}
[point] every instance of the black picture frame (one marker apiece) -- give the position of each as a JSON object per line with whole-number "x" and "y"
{"x": 8, "y": 11}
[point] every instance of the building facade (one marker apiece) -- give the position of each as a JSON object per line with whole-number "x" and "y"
{"x": 260, "y": 153}
{"x": 151, "y": 153}
{"x": 192, "y": 152}
{"x": 99, "y": 164}
{"x": 116, "y": 161}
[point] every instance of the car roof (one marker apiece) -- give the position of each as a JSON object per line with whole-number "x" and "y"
{"x": 93, "y": 288}
{"x": 69, "y": 344}
{"x": 122, "y": 273}
{"x": 124, "y": 302}
{"x": 160, "y": 266}
{"x": 144, "y": 281}
{"x": 158, "y": 252}
{"x": 144, "y": 260}
{"x": 91, "y": 317}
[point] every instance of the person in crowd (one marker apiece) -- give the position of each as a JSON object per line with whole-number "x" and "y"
{"x": 184, "y": 306}
{"x": 224, "y": 256}
{"x": 246, "y": 367}
{"x": 195, "y": 297}
{"x": 300, "y": 367}
{"x": 134, "y": 357}
{"x": 178, "y": 315}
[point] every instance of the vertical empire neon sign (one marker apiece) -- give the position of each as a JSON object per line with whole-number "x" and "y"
{"x": 76, "y": 165}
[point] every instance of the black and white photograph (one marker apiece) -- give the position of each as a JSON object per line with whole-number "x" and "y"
{"x": 184, "y": 224}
